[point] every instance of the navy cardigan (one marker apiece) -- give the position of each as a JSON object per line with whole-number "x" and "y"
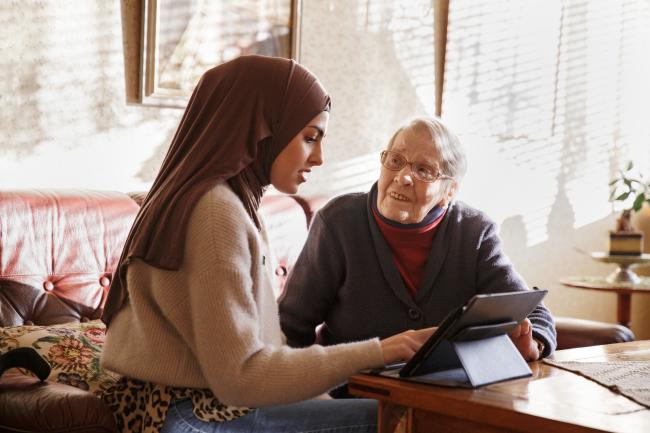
{"x": 345, "y": 277}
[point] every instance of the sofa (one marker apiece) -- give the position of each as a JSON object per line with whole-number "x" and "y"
{"x": 58, "y": 251}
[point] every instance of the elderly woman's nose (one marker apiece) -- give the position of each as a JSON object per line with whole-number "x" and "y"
{"x": 404, "y": 175}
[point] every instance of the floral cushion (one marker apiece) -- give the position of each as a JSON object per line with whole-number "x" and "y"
{"x": 72, "y": 349}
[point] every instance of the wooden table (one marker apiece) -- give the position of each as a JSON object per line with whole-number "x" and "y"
{"x": 552, "y": 400}
{"x": 623, "y": 292}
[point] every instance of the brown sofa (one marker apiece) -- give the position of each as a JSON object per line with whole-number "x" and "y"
{"x": 58, "y": 250}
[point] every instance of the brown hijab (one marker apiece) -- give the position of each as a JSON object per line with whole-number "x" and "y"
{"x": 239, "y": 118}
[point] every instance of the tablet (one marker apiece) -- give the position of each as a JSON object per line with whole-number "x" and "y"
{"x": 483, "y": 316}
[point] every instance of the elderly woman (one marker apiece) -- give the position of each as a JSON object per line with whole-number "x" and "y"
{"x": 403, "y": 255}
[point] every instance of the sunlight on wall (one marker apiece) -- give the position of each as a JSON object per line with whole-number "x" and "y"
{"x": 64, "y": 121}
{"x": 502, "y": 184}
{"x": 376, "y": 60}
{"x": 99, "y": 164}
{"x": 554, "y": 90}
{"x": 355, "y": 174}
{"x": 412, "y": 27}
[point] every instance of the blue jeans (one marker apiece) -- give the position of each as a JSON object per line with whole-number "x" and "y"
{"x": 311, "y": 416}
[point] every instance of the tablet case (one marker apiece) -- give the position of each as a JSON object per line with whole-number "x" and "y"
{"x": 471, "y": 347}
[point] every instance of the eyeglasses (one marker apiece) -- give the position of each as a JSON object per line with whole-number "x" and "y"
{"x": 420, "y": 170}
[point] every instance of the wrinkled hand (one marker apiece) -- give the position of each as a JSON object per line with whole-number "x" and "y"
{"x": 522, "y": 337}
{"x": 401, "y": 347}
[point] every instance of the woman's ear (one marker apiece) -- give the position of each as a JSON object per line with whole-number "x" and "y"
{"x": 450, "y": 192}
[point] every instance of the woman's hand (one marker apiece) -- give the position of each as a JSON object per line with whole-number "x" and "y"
{"x": 522, "y": 337}
{"x": 401, "y": 347}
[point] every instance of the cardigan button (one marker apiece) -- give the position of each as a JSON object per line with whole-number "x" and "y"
{"x": 281, "y": 271}
{"x": 48, "y": 286}
{"x": 414, "y": 314}
{"x": 104, "y": 281}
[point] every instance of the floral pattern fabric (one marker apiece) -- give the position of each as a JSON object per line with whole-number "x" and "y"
{"x": 72, "y": 349}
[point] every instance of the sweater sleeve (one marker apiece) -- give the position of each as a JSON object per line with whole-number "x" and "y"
{"x": 495, "y": 273}
{"x": 228, "y": 324}
{"x": 312, "y": 286}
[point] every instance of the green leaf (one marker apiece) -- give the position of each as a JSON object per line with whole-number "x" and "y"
{"x": 638, "y": 202}
{"x": 95, "y": 366}
{"x": 49, "y": 339}
{"x": 89, "y": 344}
{"x": 614, "y": 182}
{"x": 629, "y": 166}
{"x": 622, "y": 196}
{"x": 628, "y": 182}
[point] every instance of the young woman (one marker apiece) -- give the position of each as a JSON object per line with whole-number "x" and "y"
{"x": 192, "y": 322}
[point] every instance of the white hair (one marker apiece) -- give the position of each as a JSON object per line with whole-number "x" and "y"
{"x": 453, "y": 162}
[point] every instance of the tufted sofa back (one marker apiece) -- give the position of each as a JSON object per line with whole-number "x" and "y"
{"x": 58, "y": 250}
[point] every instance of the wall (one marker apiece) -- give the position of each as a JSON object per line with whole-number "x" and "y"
{"x": 64, "y": 123}
{"x": 550, "y": 98}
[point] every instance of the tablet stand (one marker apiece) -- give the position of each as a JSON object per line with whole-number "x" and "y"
{"x": 485, "y": 354}
{"x": 491, "y": 360}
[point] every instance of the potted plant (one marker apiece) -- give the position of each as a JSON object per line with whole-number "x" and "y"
{"x": 628, "y": 187}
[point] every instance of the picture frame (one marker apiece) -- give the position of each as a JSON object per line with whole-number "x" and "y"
{"x": 181, "y": 39}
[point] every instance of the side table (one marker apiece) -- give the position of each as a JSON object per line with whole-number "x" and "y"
{"x": 623, "y": 292}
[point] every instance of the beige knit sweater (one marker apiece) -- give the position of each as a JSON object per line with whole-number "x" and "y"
{"x": 214, "y": 322}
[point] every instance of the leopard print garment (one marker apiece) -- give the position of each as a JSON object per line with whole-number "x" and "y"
{"x": 141, "y": 407}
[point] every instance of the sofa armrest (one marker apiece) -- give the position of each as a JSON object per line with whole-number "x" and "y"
{"x": 29, "y": 405}
{"x": 573, "y": 333}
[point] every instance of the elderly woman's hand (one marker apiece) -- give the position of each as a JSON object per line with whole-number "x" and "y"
{"x": 522, "y": 337}
{"x": 401, "y": 347}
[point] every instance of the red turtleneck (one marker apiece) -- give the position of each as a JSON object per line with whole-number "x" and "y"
{"x": 410, "y": 247}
